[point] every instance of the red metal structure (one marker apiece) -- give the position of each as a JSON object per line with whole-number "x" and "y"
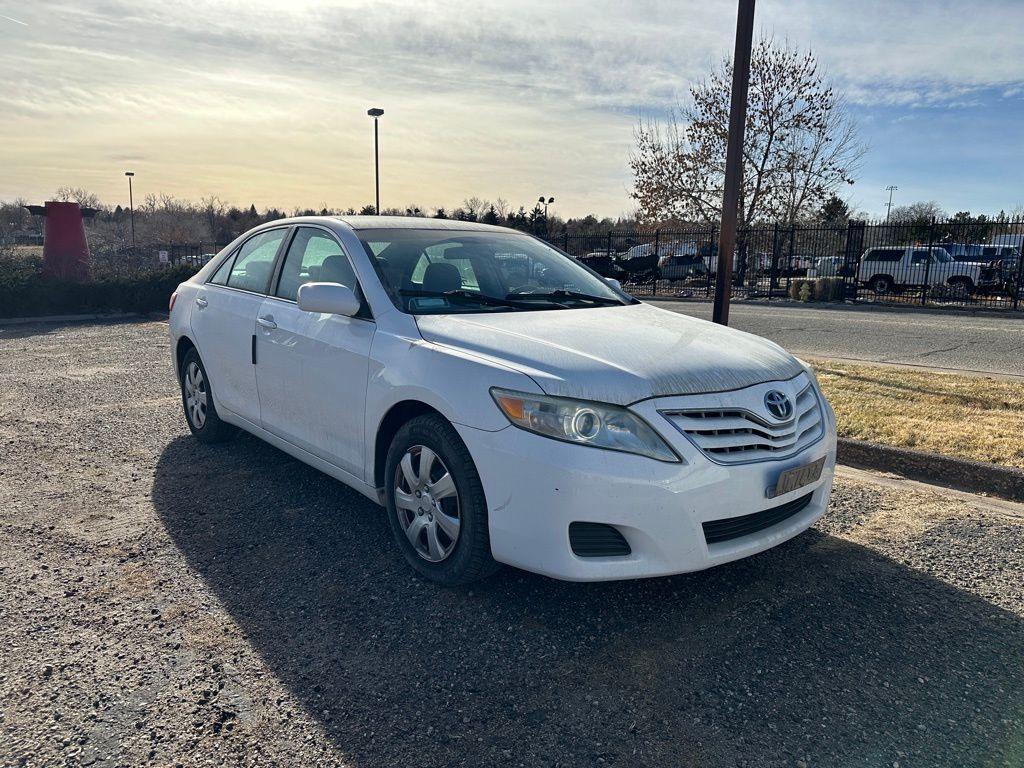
{"x": 65, "y": 249}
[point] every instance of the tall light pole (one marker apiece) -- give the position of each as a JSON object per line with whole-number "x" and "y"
{"x": 131, "y": 205}
{"x": 375, "y": 113}
{"x": 888, "y": 206}
{"x": 734, "y": 158}
{"x": 545, "y": 203}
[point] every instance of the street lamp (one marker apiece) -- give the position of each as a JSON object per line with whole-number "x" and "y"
{"x": 375, "y": 113}
{"x": 888, "y": 206}
{"x": 131, "y": 205}
{"x": 545, "y": 203}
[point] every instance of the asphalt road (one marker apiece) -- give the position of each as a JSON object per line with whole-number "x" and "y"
{"x": 168, "y": 603}
{"x": 953, "y": 340}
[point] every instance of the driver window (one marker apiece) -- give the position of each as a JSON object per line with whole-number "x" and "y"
{"x": 313, "y": 257}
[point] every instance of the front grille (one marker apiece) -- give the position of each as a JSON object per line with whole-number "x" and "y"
{"x": 597, "y": 540}
{"x": 735, "y": 527}
{"x": 735, "y": 436}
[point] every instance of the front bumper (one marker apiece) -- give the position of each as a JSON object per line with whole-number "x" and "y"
{"x": 536, "y": 487}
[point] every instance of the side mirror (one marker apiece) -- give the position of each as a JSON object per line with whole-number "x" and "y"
{"x": 332, "y": 298}
{"x": 613, "y": 283}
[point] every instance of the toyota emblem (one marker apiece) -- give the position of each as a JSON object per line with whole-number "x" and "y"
{"x": 778, "y": 404}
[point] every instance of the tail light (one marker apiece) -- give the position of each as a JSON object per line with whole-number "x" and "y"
{"x": 174, "y": 298}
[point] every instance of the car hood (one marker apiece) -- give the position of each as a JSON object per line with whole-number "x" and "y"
{"x": 615, "y": 354}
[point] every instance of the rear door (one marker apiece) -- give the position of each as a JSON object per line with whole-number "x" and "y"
{"x": 224, "y": 321}
{"x": 312, "y": 368}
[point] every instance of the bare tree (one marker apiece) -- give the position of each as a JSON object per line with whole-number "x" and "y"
{"x": 83, "y": 197}
{"x": 801, "y": 144}
{"x": 475, "y": 207}
{"x": 920, "y": 212}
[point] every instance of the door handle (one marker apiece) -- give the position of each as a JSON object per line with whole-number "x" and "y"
{"x": 201, "y": 302}
{"x": 266, "y": 322}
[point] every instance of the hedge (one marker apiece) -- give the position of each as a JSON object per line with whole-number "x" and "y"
{"x": 26, "y": 293}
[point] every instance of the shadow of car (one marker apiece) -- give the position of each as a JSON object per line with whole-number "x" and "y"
{"x": 819, "y": 647}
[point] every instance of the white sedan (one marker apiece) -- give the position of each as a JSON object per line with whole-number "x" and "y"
{"x": 503, "y": 402}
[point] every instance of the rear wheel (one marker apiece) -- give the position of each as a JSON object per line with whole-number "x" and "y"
{"x": 197, "y": 400}
{"x": 881, "y": 284}
{"x": 436, "y": 505}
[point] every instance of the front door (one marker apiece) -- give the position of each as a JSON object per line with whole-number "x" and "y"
{"x": 224, "y": 322}
{"x": 312, "y": 368}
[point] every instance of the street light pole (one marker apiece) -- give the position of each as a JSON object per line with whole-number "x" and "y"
{"x": 375, "y": 113}
{"x": 545, "y": 202}
{"x": 734, "y": 158}
{"x": 888, "y": 206}
{"x": 131, "y": 205}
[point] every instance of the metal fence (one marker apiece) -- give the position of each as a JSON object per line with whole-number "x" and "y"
{"x": 952, "y": 263}
{"x": 937, "y": 264}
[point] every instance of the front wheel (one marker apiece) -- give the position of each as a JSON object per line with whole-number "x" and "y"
{"x": 962, "y": 285}
{"x": 436, "y": 505}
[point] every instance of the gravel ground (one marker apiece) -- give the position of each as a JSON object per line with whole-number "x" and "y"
{"x": 170, "y": 603}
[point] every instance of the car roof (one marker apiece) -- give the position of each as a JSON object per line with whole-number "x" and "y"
{"x": 417, "y": 222}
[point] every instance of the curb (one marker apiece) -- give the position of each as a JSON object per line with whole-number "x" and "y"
{"x": 1007, "y": 313}
{"x": 933, "y": 468}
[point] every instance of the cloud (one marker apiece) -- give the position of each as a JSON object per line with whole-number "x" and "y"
{"x": 266, "y": 100}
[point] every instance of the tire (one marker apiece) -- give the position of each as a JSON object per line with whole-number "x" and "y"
{"x": 962, "y": 283}
{"x": 201, "y": 417}
{"x": 881, "y": 284}
{"x": 464, "y": 558}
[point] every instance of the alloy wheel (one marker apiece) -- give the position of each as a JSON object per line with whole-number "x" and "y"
{"x": 427, "y": 503}
{"x": 195, "y": 394}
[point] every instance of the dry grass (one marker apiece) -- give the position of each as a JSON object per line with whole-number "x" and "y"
{"x": 970, "y": 417}
{"x": 21, "y": 251}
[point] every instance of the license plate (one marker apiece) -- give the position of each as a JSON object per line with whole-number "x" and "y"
{"x": 797, "y": 477}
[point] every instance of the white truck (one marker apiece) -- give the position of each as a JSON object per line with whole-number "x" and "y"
{"x": 884, "y": 270}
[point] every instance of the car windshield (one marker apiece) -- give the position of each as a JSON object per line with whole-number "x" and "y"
{"x": 439, "y": 271}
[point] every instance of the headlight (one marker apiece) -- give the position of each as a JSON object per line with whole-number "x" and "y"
{"x": 577, "y": 421}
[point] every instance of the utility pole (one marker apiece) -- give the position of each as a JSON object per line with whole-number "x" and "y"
{"x": 888, "y": 206}
{"x": 375, "y": 113}
{"x": 734, "y": 158}
{"x": 131, "y": 205}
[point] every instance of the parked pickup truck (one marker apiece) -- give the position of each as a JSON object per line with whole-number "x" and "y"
{"x": 884, "y": 270}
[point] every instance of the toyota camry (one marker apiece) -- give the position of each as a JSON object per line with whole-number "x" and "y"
{"x": 502, "y": 402}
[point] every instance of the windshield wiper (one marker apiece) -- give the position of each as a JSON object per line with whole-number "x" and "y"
{"x": 562, "y": 294}
{"x": 463, "y": 295}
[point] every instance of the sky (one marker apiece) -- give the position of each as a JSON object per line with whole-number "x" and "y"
{"x": 264, "y": 101}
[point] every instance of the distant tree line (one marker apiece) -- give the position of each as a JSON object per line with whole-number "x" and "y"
{"x": 164, "y": 219}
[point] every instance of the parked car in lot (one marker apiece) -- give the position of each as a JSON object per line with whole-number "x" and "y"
{"x": 603, "y": 262}
{"x": 504, "y": 403}
{"x": 832, "y": 266}
{"x": 978, "y": 253}
{"x": 682, "y": 267}
{"x": 796, "y": 265}
{"x": 887, "y": 269}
